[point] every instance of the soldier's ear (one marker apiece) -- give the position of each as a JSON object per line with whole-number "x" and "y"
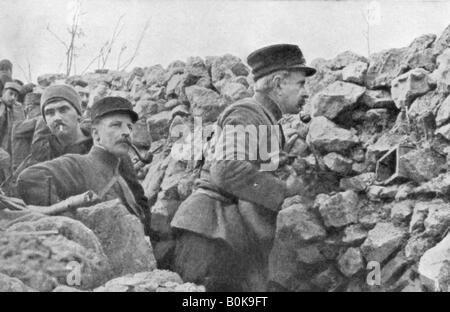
{"x": 94, "y": 133}
{"x": 277, "y": 82}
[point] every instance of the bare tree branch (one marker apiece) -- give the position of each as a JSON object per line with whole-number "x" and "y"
{"x": 56, "y": 36}
{"x": 136, "y": 50}
{"x": 124, "y": 47}
{"x": 75, "y": 32}
{"x": 107, "y": 47}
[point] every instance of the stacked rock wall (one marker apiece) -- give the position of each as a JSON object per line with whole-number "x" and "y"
{"x": 362, "y": 227}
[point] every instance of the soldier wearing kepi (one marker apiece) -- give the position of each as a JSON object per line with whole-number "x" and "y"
{"x": 225, "y": 229}
{"x": 106, "y": 169}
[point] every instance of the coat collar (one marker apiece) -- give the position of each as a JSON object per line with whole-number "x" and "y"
{"x": 268, "y": 104}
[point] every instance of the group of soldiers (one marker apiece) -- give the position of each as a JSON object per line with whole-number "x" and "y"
{"x": 224, "y": 229}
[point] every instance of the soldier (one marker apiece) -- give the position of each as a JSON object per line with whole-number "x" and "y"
{"x": 5, "y": 73}
{"x": 106, "y": 169}
{"x": 58, "y": 132}
{"x": 10, "y": 113}
{"x": 225, "y": 228}
{"x": 22, "y": 132}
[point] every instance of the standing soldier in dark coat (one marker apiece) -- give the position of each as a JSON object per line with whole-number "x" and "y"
{"x": 226, "y": 227}
{"x": 106, "y": 169}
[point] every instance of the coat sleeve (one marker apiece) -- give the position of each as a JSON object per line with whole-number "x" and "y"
{"x": 243, "y": 178}
{"x": 49, "y": 182}
{"x": 40, "y": 145}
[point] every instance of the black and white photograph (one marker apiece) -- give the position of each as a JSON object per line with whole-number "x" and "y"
{"x": 243, "y": 147}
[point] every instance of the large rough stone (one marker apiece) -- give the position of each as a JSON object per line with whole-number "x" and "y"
{"x": 434, "y": 264}
{"x": 358, "y": 183}
{"x": 407, "y": 87}
{"x": 175, "y": 86}
{"x": 382, "y": 241}
{"x": 442, "y": 74}
{"x": 121, "y": 235}
{"x": 443, "y": 42}
{"x": 140, "y": 135}
{"x": 205, "y": 103}
{"x": 389, "y": 64}
{"x": 340, "y": 209}
{"x": 152, "y": 281}
{"x": 234, "y": 91}
{"x": 351, "y": 262}
{"x": 154, "y": 176}
{"x": 420, "y": 213}
{"x": 146, "y": 108}
{"x": 377, "y": 99}
{"x": 68, "y": 227}
{"x": 155, "y": 75}
{"x": 423, "y": 164}
{"x": 227, "y": 66}
{"x": 196, "y": 67}
{"x": 336, "y": 98}
{"x": 384, "y": 67}
{"x": 11, "y": 284}
{"x": 355, "y": 72}
{"x": 344, "y": 59}
{"x": 354, "y": 234}
{"x": 420, "y": 54}
{"x": 425, "y": 104}
{"x": 443, "y": 114}
{"x": 320, "y": 80}
{"x": 401, "y": 211}
{"x": 439, "y": 186}
{"x": 338, "y": 163}
{"x": 310, "y": 254}
{"x": 329, "y": 137}
{"x": 438, "y": 218}
{"x": 297, "y": 225}
{"x": 417, "y": 245}
{"x": 159, "y": 124}
{"x": 43, "y": 262}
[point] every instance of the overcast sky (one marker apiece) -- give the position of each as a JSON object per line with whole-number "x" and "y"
{"x": 179, "y": 29}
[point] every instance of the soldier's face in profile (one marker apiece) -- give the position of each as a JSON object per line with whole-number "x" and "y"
{"x": 292, "y": 93}
{"x": 112, "y": 132}
{"x": 61, "y": 118}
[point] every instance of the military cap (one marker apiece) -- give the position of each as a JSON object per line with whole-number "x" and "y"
{"x": 13, "y": 86}
{"x": 272, "y": 58}
{"x": 61, "y": 92}
{"x": 112, "y": 104}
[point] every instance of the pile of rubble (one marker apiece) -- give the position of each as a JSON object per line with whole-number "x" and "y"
{"x": 100, "y": 248}
{"x": 373, "y": 152}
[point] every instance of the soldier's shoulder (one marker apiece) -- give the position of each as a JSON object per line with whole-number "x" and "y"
{"x": 245, "y": 110}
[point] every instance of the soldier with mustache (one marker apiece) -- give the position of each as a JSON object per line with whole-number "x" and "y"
{"x": 225, "y": 228}
{"x": 107, "y": 164}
